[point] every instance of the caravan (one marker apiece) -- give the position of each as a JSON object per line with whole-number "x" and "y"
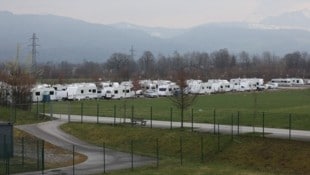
{"x": 81, "y": 91}
{"x": 43, "y": 92}
{"x": 165, "y": 90}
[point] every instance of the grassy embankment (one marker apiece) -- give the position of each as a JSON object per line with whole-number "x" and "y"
{"x": 243, "y": 155}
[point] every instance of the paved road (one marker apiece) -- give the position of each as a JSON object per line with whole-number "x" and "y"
{"x": 49, "y": 131}
{"x": 301, "y": 135}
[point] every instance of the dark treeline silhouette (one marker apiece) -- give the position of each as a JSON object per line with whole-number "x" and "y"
{"x": 220, "y": 64}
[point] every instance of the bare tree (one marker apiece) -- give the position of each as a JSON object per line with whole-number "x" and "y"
{"x": 147, "y": 64}
{"x": 181, "y": 99}
{"x": 20, "y": 83}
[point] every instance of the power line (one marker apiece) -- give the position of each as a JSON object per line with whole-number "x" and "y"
{"x": 132, "y": 52}
{"x": 34, "y": 52}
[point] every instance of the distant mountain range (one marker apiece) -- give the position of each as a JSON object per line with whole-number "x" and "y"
{"x": 62, "y": 38}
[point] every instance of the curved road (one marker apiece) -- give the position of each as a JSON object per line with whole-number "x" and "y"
{"x": 50, "y": 132}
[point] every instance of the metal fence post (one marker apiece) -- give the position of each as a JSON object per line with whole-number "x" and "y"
{"x": 38, "y": 107}
{"x": 232, "y": 126}
{"x": 170, "y": 118}
{"x": 73, "y": 161}
{"x": 51, "y": 109}
{"x": 151, "y": 114}
{"x": 104, "y": 157}
{"x": 97, "y": 113}
{"x": 23, "y": 152}
{"x": 238, "y": 122}
{"x": 42, "y": 157}
{"x": 214, "y": 113}
{"x": 201, "y": 149}
{"x": 192, "y": 120}
{"x": 290, "y": 126}
{"x": 131, "y": 151}
{"x": 218, "y": 137}
{"x": 82, "y": 108}
{"x": 43, "y": 107}
{"x": 263, "y": 124}
{"x": 157, "y": 153}
{"x": 38, "y": 156}
{"x": 69, "y": 115}
{"x": 181, "y": 150}
{"x": 132, "y": 114}
{"x": 114, "y": 115}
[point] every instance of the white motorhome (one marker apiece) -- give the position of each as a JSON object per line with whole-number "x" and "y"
{"x": 297, "y": 81}
{"x": 122, "y": 91}
{"x": 147, "y": 84}
{"x": 43, "y": 92}
{"x": 119, "y": 90}
{"x": 165, "y": 90}
{"x": 282, "y": 81}
{"x": 217, "y": 85}
{"x": 195, "y": 86}
{"x": 246, "y": 84}
{"x": 105, "y": 90}
{"x": 81, "y": 91}
{"x": 60, "y": 91}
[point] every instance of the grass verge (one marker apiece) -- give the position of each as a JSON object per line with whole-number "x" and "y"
{"x": 271, "y": 107}
{"x": 202, "y": 153}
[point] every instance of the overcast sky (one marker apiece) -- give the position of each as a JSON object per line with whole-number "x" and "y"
{"x": 164, "y": 13}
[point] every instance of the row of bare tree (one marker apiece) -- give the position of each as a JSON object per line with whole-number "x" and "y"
{"x": 199, "y": 65}
{"x": 196, "y": 65}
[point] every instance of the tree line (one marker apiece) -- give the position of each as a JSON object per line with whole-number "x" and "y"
{"x": 220, "y": 64}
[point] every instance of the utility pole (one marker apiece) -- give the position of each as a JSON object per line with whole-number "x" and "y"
{"x": 132, "y": 52}
{"x": 34, "y": 45}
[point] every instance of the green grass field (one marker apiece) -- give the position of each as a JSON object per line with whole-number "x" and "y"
{"x": 274, "y": 107}
{"x": 200, "y": 154}
{"x": 244, "y": 155}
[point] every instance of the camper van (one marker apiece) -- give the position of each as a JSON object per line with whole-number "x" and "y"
{"x": 81, "y": 91}
{"x": 43, "y": 92}
{"x": 282, "y": 81}
{"x": 165, "y": 90}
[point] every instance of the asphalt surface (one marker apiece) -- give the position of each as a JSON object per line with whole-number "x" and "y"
{"x": 50, "y": 132}
{"x": 114, "y": 160}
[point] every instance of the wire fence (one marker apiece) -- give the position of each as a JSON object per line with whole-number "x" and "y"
{"x": 34, "y": 155}
{"x": 124, "y": 112}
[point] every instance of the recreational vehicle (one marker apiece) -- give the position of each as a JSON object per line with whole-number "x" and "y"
{"x": 81, "y": 91}
{"x": 43, "y": 92}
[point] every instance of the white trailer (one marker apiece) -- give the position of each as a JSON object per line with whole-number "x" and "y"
{"x": 43, "y": 92}
{"x": 282, "y": 81}
{"x": 297, "y": 81}
{"x": 165, "y": 90}
{"x": 195, "y": 86}
{"x": 81, "y": 91}
{"x": 60, "y": 91}
{"x": 122, "y": 91}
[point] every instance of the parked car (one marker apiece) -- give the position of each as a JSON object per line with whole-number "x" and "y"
{"x": 150, "y": 93}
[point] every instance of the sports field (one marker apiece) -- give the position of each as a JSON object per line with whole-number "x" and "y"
{"x": 280, "y": 108}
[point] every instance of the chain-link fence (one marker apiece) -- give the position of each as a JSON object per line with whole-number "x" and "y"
{"x": 123, "y": 112}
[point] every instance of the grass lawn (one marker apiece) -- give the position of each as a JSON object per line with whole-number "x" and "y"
{"x": 249, "y": 108}
{"x": 17, "y": 116}
{"x": 200, "y": 154}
